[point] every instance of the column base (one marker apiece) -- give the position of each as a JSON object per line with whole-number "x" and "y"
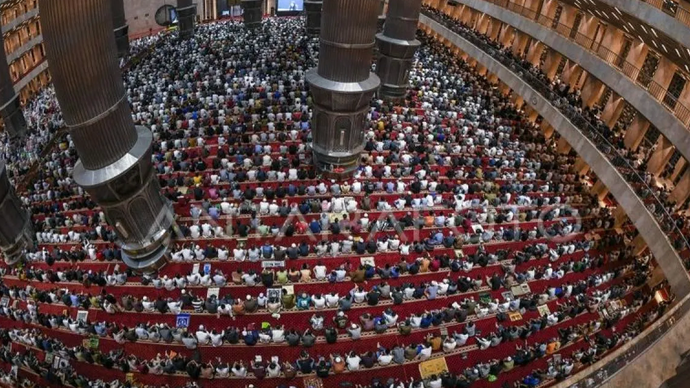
{"x": 394, "y": 64}
{"x": 130, "y": 197}
{"x": 13, "y": 118}
{"x": 147, "y": 258}
{"x": 394, "y": 93}
{"x": 15, "y": 253}
{"x": 336, "y": 165}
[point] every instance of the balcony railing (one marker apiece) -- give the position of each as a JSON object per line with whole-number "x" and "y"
{"x": 660, "y": 93}
{"x": 539, "y": 83}
{"x": 609, "y": 366}
{"x": 671, "y": 8}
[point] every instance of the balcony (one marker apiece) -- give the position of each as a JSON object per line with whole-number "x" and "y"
{"x": 588, "y": 142}
{"x": 19, "y": 20}
{"x": 14, "y": 55}
{"x": 652, "y": 101}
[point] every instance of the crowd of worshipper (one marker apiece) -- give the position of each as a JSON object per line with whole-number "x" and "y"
{"x": 358, "y": 295}
{"x": 230, "y": 113}
{"x": 44, "y": 119}
{"x": 596, "y": 344}
{"x": 569, "y": 97}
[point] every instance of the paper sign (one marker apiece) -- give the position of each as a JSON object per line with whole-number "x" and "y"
{"x": 515, "y": 316}
{"x": 82, "y": 315}
{"x": 274, "y": 293}
{"x": 521, "y": 289}
{"x": 213, "y": 291}
{"x": 543, "y": 310}
{"x": 436, "y": 366}
{"x": 195, "y": 268}
{"x": 272, "y": 264}
{"x": 207, "y": 268}
{"x": 182, "y": 320}
{"x": 369, "y": 260}
{"x": 289, "y": 288}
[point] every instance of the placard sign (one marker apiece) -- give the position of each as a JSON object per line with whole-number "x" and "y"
{"x": 182, "y": 320}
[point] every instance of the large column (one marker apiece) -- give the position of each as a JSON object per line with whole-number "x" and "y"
{"x": 15, "y": 229}
{"x": 382, "y": 15}
{"x": 186, "y": 16}
{"x": 397, "y": 45}
{"x": 342, "y": 84}
{"x": 121, "y": 29}
{"x": 10, "y": 106}
{"x": 313, "y": 8}
{"x": 251, "y": 13}
{"x": 115, "y": 165}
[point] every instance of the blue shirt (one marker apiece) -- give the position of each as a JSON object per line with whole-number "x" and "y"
{"x": 315, "y": 227}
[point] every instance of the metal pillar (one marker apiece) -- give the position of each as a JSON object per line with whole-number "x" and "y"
{"x": 342, "y": 85}
{"x": 382, "y": 16}
{"x": 251, "y": 13}
{"x": 313, "y": 9}
{"x": 120, "y": 27}
{"x": 186, "y": 15}
{"x": 10, "y": 106}
{"x": 15, "y": 226}
{"x": 397, "y": 45}
{"x": 115, "y": 165}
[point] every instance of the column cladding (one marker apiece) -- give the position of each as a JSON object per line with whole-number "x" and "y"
{"x": 120, "y": 27}
{"x": 313, "y": 10}
{"x": 342, "y": 85}
{"x": 15, "y": 222}
{"x": 251, "y": 13}
{"x": 115, "y": 165}
{"x": 186, "y": 15}
{"x": 397, "y": 46}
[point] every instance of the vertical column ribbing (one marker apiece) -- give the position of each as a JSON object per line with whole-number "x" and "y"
{"x": 120, "y": 27}
{"x": 397, "y": 45}
{"x": 313, "y": 9}
{"x": 343, "y": 85}
{"x": 251, "y": 13}
{"x": 87, "y": 80}
{"x": 186, "y": 15}
{"x": 115, "y": 165}
{"x": 15, "y": 226}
